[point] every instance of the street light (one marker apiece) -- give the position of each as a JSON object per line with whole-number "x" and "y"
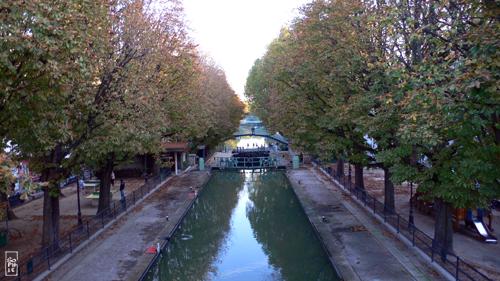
{"x": 411, "y": 222}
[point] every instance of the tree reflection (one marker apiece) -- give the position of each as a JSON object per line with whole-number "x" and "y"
{"x": 277, "y": 221}
{"x": 283, "y": 230}
{"x": 208, "y": 223}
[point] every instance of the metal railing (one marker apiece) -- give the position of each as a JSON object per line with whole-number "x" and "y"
{"x": 452, "y": 263}
{"x": 245, "y": 162}
{"x": 47, "y": 256}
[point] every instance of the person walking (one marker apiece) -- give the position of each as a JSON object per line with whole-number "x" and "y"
{"x": 123, "y": 200}
{"x": 112, "y": 179}
{"x": 81, "y": 182}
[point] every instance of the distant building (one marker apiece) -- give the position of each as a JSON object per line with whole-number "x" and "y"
{"x": 175, "y": 153}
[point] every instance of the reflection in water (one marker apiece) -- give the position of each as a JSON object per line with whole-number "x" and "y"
{"x": 246, "y": 226}
{"x": 208, "y": 224}
{"x": 281, "y": 226}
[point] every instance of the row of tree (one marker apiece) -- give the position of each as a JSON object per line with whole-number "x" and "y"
{"x": 408, "y": 86}
{"x": 94, "y": 83}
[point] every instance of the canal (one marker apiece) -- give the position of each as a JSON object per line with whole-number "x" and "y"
{"x": 245, "y": 226}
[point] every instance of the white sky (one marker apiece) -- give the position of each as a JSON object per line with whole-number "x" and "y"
{"x": 234, "y": 33}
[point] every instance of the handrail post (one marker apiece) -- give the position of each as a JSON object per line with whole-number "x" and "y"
{"x": 457, "y": 265}
{"x": 70, "y": 246}
{"x": 432, "y": 251}
{"x": 48, "y": 257}
{"x": 88, "y": 229}
{"x": 102, "y": 218}
{"x": 398, "y": 223}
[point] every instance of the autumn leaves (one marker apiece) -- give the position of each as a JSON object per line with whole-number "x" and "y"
{"x": 94, "y": 83}
{"x": 416, "y": 78}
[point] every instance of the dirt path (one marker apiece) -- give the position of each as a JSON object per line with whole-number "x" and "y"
{"x": 26, "y": 231}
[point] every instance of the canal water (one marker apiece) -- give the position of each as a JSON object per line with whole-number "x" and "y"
{"x": 245, "y": 226}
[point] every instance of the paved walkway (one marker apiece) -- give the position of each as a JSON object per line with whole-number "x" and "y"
{"x": 119, "y": 252}
{"x": 360, "y": 247}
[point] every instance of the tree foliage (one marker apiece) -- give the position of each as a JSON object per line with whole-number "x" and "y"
{"x": 94, "y": 83}
{"x": 409, "y": 86}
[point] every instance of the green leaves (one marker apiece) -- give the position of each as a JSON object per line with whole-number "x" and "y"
{"x": 418, "y": 78}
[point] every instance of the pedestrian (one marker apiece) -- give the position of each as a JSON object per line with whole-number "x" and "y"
{"x": 123, "y": 200}
{"x": 122, "y": 188}
{"x": 112, "y": 179}
{"x": 81, "y": 184}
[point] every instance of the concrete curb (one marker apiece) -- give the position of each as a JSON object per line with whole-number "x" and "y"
{"x": 60, "y": 262}
{"x": 402, "y": 238}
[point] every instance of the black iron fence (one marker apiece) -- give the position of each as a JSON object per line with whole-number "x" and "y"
{"x": 48, "y": 256}
{"x": 452, "y": 263}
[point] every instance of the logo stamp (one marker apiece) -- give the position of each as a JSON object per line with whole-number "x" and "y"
{"x": 11, "y": 263}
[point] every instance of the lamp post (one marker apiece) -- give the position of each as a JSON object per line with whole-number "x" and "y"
{"x": 411, "y": 222}
{"x": 79, "y": 215}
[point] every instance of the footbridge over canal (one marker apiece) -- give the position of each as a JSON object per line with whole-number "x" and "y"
{"x": 271, "y": 152}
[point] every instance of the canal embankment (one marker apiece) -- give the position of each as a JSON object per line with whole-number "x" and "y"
{"x": 359, "y": 246}
{"x": 119, "y": 252}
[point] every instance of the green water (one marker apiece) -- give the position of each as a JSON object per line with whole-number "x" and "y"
{"x": 244, "y": 227}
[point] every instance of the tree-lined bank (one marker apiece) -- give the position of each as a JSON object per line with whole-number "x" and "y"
{"x": 407, "y": 86}
{"x": 94, "y": 83}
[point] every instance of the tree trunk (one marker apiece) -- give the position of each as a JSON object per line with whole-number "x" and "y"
{"x": 389, "y": 206}
{"x": 50, "y": 234}
{"x": 105, "y": 185}
{"x": 51, "y": 174}
{"x": 358, "y": 177}
{"x": 4, "y": 201}
{"x": 340, "y": 168}
{"x": 443, "y": 231}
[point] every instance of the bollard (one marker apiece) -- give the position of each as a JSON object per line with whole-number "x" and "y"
{"x": 295, "y": 162}
{"x": 201, "y": 164}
